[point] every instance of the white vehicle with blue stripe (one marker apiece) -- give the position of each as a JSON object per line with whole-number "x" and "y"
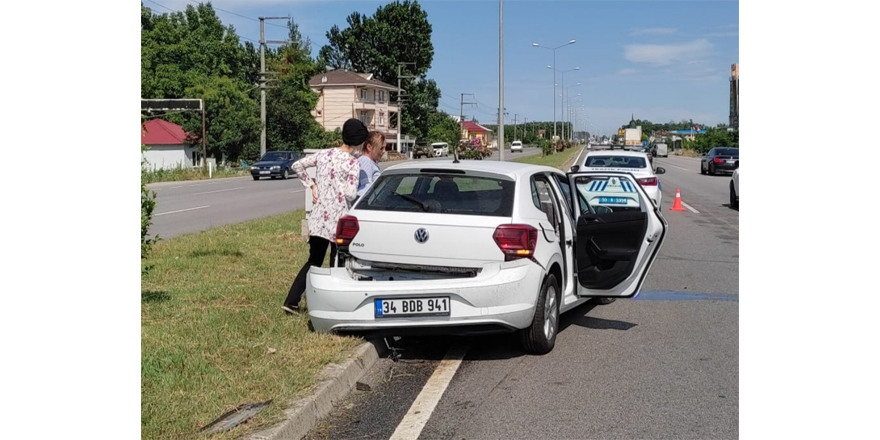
{"x": 636, "y": 163}
{"x": 611, "y": 192}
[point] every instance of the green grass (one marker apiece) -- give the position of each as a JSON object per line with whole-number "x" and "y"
{"x": 556, "y": 160}
{"x": 181, "y": 174}
{"x": 213, "y": 335}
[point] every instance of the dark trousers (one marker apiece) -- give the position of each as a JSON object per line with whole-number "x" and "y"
{"x": 317, "y": 252}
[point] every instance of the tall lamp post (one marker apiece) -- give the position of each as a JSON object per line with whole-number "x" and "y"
{"x": 562, "y": 86}
{"x": 554, "y": 76}
{"x": 568, "y": 105}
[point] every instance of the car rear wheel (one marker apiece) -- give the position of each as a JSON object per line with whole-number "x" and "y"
{"x": 702, "y": 170}
{"x": 256, "y": 177}
{"x": 711, "y": 169}
{"x": 734, "y": 203}
{"x": 540, "y": 336}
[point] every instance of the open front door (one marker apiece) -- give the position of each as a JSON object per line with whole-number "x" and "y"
{"x": 618, "y": 233}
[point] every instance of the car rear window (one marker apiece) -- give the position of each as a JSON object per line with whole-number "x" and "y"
{"x": 441, "y": 193}
{"x": 616, "y": 162}
{"x": 727, "y": 152}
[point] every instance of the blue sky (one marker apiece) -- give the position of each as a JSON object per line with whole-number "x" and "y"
{"x": 657, "y": 60}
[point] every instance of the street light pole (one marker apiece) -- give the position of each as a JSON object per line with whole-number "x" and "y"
{"x": 572, "y": 41}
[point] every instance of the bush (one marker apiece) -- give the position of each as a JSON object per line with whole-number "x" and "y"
{"x": 148, "y": 203}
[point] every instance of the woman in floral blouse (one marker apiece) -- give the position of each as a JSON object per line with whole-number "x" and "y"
{"x": 334, "y": 188}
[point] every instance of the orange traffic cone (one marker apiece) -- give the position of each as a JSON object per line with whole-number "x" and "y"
{"x": 676, "y": 206}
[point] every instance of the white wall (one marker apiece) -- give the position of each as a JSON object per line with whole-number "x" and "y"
{"x": 169, "y": 156}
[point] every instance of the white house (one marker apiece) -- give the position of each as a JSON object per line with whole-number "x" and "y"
{"x": 167, "y": 146}
{"x": 344, "y": 94}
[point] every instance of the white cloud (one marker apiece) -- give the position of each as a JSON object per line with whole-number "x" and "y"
{"x": 664, "y": 54}
{"x": 655, "y": 31}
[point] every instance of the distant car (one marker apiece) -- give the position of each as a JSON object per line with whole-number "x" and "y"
{"x": 734, "y": 187}
{"x": 719, "y": 159}
{"x": 422, "y": 150}
{"x": 516, "y": 146}
{"x": 275, "y": 164}
{"x": 484, "y": 247}
{"x": 441, "y": 149}
{"x": 634, "y": 162}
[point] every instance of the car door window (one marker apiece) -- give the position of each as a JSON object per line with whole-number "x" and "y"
{"x": 542, "y": 197}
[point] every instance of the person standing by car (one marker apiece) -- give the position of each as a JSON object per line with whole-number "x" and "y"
{"x": 374, "y": 148}
{"x": 334, "y": 188}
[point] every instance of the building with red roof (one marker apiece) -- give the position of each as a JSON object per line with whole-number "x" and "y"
{"x": 168, "y": 146}
{"x": 471, "y": 130}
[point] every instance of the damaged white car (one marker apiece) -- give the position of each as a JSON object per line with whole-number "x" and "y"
{"x": 481, "y": 246}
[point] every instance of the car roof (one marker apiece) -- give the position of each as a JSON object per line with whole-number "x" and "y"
{"x": 513, "y": 170}
{"x": 627, "y": 153}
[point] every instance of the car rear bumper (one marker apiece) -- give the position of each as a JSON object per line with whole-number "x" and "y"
{"x": 502, "y": 297}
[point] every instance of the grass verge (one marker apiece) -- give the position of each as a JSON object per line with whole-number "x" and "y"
{"x": 555, "y": 160}
{"x": 213, "y": 335}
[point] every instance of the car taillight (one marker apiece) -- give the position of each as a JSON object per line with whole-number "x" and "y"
{"x": 718, "y": 160}
{"x": 516, "y": 241}
{"x": 346, "y": 229}
{"x": 648, "y": 181}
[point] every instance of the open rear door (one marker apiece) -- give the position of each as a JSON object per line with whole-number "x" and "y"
{"x": 618, "y": 233}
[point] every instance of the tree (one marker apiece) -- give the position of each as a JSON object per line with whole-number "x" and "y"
{"x": 232, "y": 120}
{"x": 443, "y": 128}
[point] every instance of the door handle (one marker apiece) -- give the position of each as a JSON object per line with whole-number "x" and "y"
{"x": 568, "y": 242}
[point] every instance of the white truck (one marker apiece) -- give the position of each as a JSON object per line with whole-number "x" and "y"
{"x": 632, "y": 137}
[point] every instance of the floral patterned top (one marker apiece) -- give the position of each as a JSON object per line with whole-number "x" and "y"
{"x": 337, "y": 180}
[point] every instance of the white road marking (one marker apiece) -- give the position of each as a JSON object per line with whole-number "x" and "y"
{"x": 181, "y": 210}
{"x": 689, "y": 207}
{"x": 420, "y": 412}
{"x": 219, "y": 190}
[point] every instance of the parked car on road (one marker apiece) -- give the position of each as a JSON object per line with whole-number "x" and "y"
{"x": 660, "y": 150}
{"x": 422, "y": 150}
{"x": 516, "y": 147}
{"x": 484, "y": 247}
{"x": 275, "y": 164}
{"x": 734, "y": 187}
{"x": 719, "y": 159}
{"x": 635, "y": 162}
{"x": 440, "y": 149}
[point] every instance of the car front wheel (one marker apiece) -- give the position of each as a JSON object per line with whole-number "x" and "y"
{"x": 256, "y": 177}
{"x": 540, "y": 336}
{"x": 284, "y": 174}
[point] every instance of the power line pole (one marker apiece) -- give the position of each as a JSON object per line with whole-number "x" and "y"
{"x": 263, "y": 79}
{"x": 500, "y": 79}
{"x": 525, "y": 128}
{"x": 514, "y": 126}
{"x": 461, "y": 121}
{"x": 401, "y": 99}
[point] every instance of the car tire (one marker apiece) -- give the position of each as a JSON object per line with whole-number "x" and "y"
{"x": 603, "y": 300}
{"x": 540, "y": 336}
{"x": 256, "y": 177}
{"x": 711, "y": 169}
{"x": 284, "y": 174}
{"x": 734, "y": 203}
{"x": 702, "y": 171}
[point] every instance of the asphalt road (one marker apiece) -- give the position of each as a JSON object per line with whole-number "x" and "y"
{"x": 192, "y": 206}
{"x": 662, "y": 366}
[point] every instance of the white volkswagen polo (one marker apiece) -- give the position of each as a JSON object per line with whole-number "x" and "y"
{"x": 485, "y": 246}
{"x": 634, "y": 162}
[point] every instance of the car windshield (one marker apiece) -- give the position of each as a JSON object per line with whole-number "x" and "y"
{"x": 441, "y": 193}
{"x": 274, "y": 156}
{"x": 727, "y": 152}
{"x": 616, "y": 162}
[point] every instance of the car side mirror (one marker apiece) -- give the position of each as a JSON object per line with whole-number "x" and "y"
{"x": 575, "y": 168}
{"x": 660, "y": 170}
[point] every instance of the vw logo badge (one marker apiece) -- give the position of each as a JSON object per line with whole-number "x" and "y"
{"x": 421, "y": 235}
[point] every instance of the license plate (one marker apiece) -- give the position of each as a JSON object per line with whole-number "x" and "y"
{"x": 402, "y": 307}
{"x": 264, "y": 172}
{"x": 613, "y": 200}
{"x": 730, "y": 161}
